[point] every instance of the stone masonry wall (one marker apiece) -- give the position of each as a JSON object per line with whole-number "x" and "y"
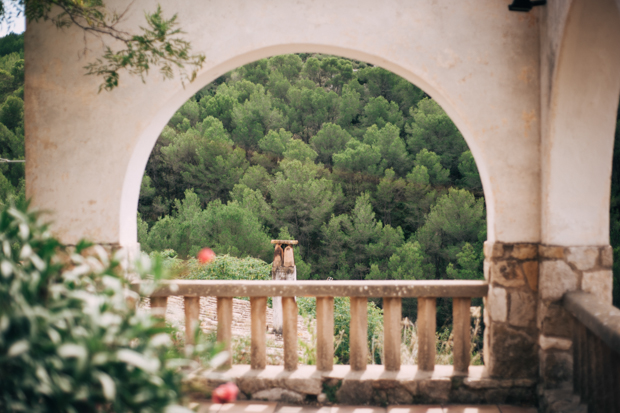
{"x": 511, "y": 333}
{"x": 564, "y": 269}
{"x": 528, "y": 333}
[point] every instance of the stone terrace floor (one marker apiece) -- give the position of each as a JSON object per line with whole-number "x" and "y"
{"x": 272, "y": 407}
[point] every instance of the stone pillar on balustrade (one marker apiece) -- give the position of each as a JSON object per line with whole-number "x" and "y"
{"x": 564, "y": 269}
{"x": 528, "y": 333}
{"x": 283, "y": 269}
{"x": 511, "y": 332}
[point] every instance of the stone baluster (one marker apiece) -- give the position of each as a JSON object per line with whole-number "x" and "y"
{"x": 392, "y": 314}
{"x": 192, "y": 313}
{"x": 591, "y": 368}
{"x": 427, "y": 309}
{"x": 258, "y": 350}
{"x": 158, "y": 308}
{"x": 608, "y": 387}
{"x": 613, "y": 387}
{"x": 289, "y": 332}
{"x": 597, "y": 379}
{"x": 358, "y": 333}
{"x": 461, "y": 330}
{"x": 325, "y": 333}
{"x": 579, "y": 360}
{"x": 224, "y": 326}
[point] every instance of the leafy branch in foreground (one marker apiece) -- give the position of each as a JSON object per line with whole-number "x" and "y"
{"x": 71, "y": 339}
{"x": 157, "y": 45}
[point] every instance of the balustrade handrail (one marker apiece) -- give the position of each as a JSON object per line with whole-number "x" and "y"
{"x": 596, "y": 351}
{"x": 603, "y": 320}
{"x": 358, "y": 292}
{"x": 259, "y": 288}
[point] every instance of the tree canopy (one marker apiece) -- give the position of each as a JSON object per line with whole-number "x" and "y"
{"x": 360, "y": 166}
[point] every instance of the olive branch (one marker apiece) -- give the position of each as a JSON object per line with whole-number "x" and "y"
{"x": 158, "y": 44}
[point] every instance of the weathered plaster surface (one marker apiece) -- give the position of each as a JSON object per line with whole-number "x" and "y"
{"x": 580, "y": 89}
{"x": 87, "y": 152}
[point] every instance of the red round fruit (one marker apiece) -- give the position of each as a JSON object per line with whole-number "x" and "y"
{"x": 206, "y": 255}
{"x": 226, "y": 393}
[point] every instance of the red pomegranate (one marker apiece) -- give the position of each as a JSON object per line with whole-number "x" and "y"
{"x": 206, "y": 255}
{"x": 226, "y": 393}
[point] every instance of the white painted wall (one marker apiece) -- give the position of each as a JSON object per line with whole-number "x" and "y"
{"x": 86, "y": 152}
{"x": 581, "y": 88}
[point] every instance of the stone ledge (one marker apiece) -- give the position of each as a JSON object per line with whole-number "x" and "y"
{"x": 375, "y": 386}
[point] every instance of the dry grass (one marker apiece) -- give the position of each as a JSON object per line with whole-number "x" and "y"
{"x": 408, "y": 347}
{"x": 308, "y": 349}
{"x": 241, "y": 349}
{"x": 444, "y": 340}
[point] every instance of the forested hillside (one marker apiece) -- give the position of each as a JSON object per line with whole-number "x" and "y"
{"x": 365, "y": 170}
{"x": 11, "y": 116}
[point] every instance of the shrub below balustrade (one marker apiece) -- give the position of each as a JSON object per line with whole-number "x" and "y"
{"x": 70, "y": 338}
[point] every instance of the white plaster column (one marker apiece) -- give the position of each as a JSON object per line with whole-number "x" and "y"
{"x": 581, "y": 87}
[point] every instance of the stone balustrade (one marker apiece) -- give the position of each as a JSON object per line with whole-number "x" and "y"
{"x": 596, "y": 351}
{"x": 356, "y": 383}
{"x": 392, "y": 293}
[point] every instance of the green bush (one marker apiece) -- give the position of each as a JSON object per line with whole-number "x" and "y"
{"x": 224, "y": 267}
{"x": 70, "y": 340}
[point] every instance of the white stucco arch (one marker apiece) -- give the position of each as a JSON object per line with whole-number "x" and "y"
{"x": 578, "y": 135}
{"x": 146, "y": 142}
{"x": 86, "y": 151}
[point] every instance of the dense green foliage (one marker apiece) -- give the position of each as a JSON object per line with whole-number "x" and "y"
{"x": 224, "y": 267}
{"x": 12, "y": 43}
{"x": 69, "y": 339}
{"x": 11, "y": 117}
{"x": 367, "y": 172}
{"x": 230, "y": 229}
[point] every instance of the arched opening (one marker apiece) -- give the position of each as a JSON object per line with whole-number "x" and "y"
{"x": 147, "y": 140}
{"x": 363, "y": 168}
